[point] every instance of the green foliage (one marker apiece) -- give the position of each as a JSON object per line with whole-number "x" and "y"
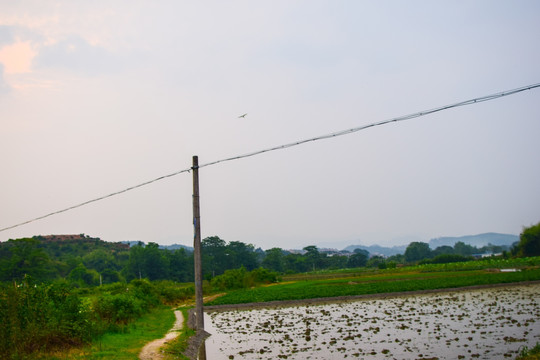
{"x": 417, "y": 251}
{"x": 264, "y": 276}
{"x": 232, "y": 279}
{"x": 274, "y": 260}
{"x": 24, "y": 257}
{"x": 359, "y": 258}
{"x": 81, "y": 276}
{"x": 173, "y": 293}
{"x": 126, "y": 344}
{"x": 242, "y": 279}
{"x": 178, "y": 347}
{"x": 446, "y": 258}
{"x": 119, "y": 308}
{"x": 529, "y": 241}
{"x": 529, "y": 354}
{"x": 376, "y": 262}
{"x": 87, "y": 262}
{"x": 41, "y": 317}
{"x": 218, "y": 256}
{"x": 384, "y": 282}
{"x": 461, "y": 248}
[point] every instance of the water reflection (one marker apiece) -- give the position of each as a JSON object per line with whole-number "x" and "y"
{"x": 482, "y": 324}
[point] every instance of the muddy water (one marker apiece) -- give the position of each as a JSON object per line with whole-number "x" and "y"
{"x": 479, "y": 324}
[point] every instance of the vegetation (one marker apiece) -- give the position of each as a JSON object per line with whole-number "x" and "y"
{"x": 178, "y": 347}
{"x": 86, "y": 262}
{"x": 40, "y": 318}
{"x": 74, "y": 290}
{"x": 126, "y": 344}
{"x": 529, "y": 354}
{"x": 374, "y": 283}
{"x": 529, "y": 242}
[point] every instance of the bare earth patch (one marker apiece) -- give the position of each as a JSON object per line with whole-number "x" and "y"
{"x": 152, "y": 351}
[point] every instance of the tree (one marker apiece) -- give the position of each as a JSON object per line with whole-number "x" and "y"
{"x": 529, "y": 241}
{"x": 296, "y": 263}
{"x": 99, "y": 260}
{"x": 461, "y": 248}
{"x": 417, "y": 251}
{"x": 155, "y": 264}
{"x": 110, "y": 276}
{"x": 274, "y": 259}
{"x": 444, "y": 249}
{"x": 213, "y": 256}
{"x": 25, "y": 257}
{"x": 377, "y": 261}
{"x": 180, "y": 265}
{"x": 135, "y": 265}
{"x": 313, "y": 257}
{"x": 358, "y": 259}
{"x": 84, "y": 277}
{"x": 240, "y": 254}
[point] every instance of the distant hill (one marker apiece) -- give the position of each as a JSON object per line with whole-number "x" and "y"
{"x": 165, "y": 247}
{"x": 479, "y": 240}
{"x": 176, "y": 247}
{"x": 379, "y": 250}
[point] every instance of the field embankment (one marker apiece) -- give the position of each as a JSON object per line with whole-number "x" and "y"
{"x": 399, "y": 280}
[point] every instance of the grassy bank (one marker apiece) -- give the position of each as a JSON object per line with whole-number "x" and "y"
{"x": 385, "y": 282}
{"x": 176, "y": 348}
{"x": 127, "y": 342}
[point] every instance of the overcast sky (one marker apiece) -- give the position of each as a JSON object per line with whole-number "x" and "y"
{"x": 99, "y": 96}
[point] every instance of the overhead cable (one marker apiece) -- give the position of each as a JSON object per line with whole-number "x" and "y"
{"x": 96, "y": 199}
{"x": 384, "y": 122}
{"x": 296, "y": 143}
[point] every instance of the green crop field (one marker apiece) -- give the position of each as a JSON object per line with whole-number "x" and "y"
{"x": 373, "y": 283}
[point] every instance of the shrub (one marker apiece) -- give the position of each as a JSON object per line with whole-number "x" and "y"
{"x": 265, "y": 276}
{"x": 118, "y": 309}
{"x": 172, "y": 293}
{"x": 40, "y": 317}
{"x": 231, "y": 279}
{"x": 446, "y": 259}
{"x": 242, "y": 279}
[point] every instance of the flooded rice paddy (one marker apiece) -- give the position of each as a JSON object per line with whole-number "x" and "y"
{"x": 476, "y": 324}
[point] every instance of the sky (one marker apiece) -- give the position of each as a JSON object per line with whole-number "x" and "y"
{"x": 99, "y": 96}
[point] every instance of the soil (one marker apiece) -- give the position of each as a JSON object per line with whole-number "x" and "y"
{"x": 151, "y": 351}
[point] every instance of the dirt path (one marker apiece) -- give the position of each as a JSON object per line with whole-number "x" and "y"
{"x": 151, "y": 350}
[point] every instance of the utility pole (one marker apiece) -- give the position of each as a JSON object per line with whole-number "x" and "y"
{"x": 197, "y": 247}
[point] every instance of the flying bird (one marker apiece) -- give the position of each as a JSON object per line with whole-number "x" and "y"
{"x": 242, "y": 116}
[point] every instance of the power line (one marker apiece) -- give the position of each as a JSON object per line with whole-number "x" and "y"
{"x": 96, "y": 199}
{"x": 363, "y": 127}
{"x": 296, "y": 143}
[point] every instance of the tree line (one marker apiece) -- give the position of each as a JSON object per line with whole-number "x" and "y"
{"x": 84, "y": 261}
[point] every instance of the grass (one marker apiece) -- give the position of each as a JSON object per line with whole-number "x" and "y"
{"x": 384, "y": 282}
{"x": 177, "y": 347}
{"x": 530, "y": 354}
{"x": 127, "y": 344}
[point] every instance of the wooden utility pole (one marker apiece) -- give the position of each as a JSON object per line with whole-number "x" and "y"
{"x": 197, "y": 247}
